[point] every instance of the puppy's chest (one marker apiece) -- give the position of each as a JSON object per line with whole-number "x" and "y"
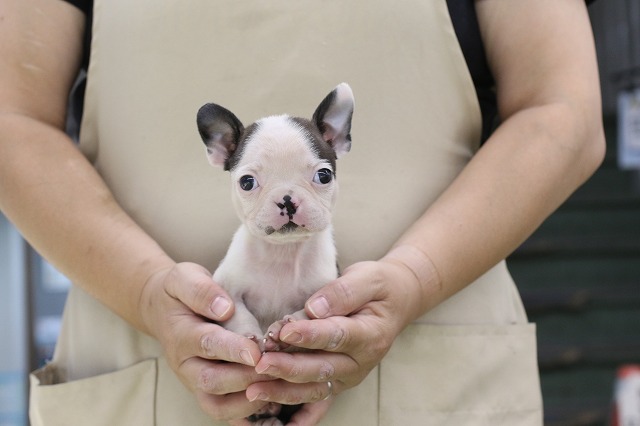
{"x": 276, "y": 296}
{"x": 271, "y": 290}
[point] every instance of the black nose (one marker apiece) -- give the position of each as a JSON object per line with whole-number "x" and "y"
{"x": 288, "y": 205}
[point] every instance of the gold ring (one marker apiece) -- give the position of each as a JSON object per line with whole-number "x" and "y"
{"x": 330, "y": 394}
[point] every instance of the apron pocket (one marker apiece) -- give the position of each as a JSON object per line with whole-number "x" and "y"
{"x": 125, "y": 397}
{"x": 462, "y": 375}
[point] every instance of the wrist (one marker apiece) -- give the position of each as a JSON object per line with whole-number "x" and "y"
{"x": 156, "y": 275}
{"x": 420, "y": 265}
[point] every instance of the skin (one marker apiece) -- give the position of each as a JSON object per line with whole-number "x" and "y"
{"x": 550, "y": 142}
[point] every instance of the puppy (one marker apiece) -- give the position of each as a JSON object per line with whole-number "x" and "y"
{"x": 283, "y": 174}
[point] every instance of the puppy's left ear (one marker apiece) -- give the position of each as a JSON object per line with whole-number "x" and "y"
{"x": 220, "y": 131}
{"x": 333, "y": 118}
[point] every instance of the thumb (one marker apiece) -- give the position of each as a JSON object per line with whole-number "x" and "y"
{"x": 193, "y": 285}
{"x": 346, "y": 294}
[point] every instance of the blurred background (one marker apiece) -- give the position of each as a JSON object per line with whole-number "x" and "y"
{"x": 579, "y": 274}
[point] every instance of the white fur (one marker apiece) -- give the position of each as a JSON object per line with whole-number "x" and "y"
{"x": 271, "y": 276}
{"x": 284, "y": 251}
{"x": 269, "y": 282}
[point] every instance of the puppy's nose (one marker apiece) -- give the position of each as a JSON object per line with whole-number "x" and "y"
{"x": 287, "y": 205}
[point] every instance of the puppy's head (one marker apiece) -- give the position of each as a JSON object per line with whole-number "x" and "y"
{"x": 283, "y": 168}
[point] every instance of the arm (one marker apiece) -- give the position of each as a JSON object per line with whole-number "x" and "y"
{"x": 64, "y": 209}
{"x": 49, "y": 190}
{"x": 551, "y": 140}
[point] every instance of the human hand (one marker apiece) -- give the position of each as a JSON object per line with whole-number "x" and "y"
{"x": 177, "y": 306}
{"x": 358, "y": 316}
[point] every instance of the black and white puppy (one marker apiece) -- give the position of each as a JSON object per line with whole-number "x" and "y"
{"x": 283, "y": 174}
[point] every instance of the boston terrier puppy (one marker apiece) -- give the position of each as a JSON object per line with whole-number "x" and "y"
{"x": 283, "y": 175}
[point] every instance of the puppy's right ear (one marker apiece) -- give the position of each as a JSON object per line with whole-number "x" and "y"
{"x": 333, "y": 118}
{"x": 220, "y": 131}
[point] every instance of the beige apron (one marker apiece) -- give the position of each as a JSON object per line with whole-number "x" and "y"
{"x": 470, "y": 361}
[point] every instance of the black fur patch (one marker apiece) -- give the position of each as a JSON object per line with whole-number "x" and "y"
{"x": 320, "y": 147}
{"x": 314, "y": 138}
{"x": 322, "y": 109}
{"x": 234, "y": 158}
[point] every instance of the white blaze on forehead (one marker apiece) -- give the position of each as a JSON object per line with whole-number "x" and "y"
{"x": 278, "y": 138}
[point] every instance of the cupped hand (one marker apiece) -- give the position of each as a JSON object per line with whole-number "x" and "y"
{"x": 358, "y": 316}
{"x": 178, "y": 306}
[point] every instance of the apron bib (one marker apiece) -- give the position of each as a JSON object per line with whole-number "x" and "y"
{"x": 471, "y": 360}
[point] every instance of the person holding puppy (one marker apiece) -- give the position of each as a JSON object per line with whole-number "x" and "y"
{"x": 424, "y": 324}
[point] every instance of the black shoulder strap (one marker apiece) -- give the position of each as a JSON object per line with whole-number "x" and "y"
{"x": 465, "y": 24}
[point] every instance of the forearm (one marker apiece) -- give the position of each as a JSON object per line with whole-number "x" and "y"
{"x": 64, "y": 209}
{"x": 532, "y": 163}
{"x": 551, "y": 140}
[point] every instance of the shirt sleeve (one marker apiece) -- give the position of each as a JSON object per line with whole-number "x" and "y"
{"x": 84, "y": 5}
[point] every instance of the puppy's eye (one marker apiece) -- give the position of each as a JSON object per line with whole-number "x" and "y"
{"x": 248, "y": 183}
{"x": 323, "y": 176}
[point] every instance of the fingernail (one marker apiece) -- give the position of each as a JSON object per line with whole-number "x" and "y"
{"x": 319, "y": 307}
{"x": 220, "y": 306}
{"x": 247, "y": 358}
{"x": 267, "y": 369}
{"x": 260, "y": 397}
{"x": 293, "y": 337}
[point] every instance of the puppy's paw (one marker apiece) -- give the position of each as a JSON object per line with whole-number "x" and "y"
{"x": 267, "y": 415}
{"x": 271, "y": 421}
{"x": 260, "y": 341}
{"x": 253, "y": 337}
{"x": 272, "y": 342}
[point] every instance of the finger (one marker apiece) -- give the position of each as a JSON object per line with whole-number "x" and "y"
{"x": 307, "y": 367}
{"x": 217, "y": 378}
{"x": 359, "y": 284}
{"x": 329, "y": 334}
{"x": 233, "y": 406}
{"x": 192, "y": 285}
{"x": 310, "y": 414}
{"x": 210, "y": 341}
{"x": 283, "y": 392}
{"x": 365, "y": 332}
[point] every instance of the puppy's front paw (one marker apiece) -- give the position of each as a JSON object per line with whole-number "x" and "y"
{"x": 272, "y": 342}
{"x": 260, "y": 341}
{"x": 252, "y": 337}
{"x": 271, "y": 421}
{"x": 267, "y": 416}
{"x": 247, "y": 327}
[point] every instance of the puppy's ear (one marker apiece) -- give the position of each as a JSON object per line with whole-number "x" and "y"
{"x": 220, "y": 130}
{"x": 333, "y": 118}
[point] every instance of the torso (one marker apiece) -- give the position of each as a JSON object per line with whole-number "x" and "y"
{"x": 416, "y": 125}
